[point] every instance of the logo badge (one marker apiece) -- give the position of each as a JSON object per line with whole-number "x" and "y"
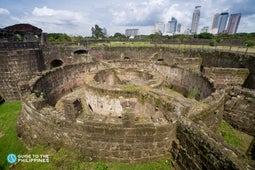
{"x": 11, "y": 158}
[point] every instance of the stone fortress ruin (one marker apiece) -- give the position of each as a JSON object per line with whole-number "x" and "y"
{"x": 133, "y": 104}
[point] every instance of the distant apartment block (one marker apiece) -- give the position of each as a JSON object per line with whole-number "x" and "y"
{"x": 204, "y": 29}
{"x": 215, "y": 23}
{"x": 172, "y": 25}
{"x": 179, "y": 26}
{"x": 195, "y": 20}
{"x": 131, "y": 32}
{"x": 160, "y": 27}
{"x": 233, "y": 23}
{"x": 223, "y": 19}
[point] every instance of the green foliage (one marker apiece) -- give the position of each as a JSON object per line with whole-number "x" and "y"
{"x": 97, "y": 32}
{"x": 18, "y": 37}
{"x": 130, "y": 88}
{"x": 213, "y": 42}
{"x": 234, "y": 138}
{"x": 175, "y": 63}
{"x": 193, "y": 93}
{"x": 101, "y": 166}
{"x": 250, "y": 43}
{"x": 119, "y": 36}
{"x": 163, "y": 164}
{"x": 205, "y": 35}
{"x": 9, "y": 142}
{"x": 59, "y": 37}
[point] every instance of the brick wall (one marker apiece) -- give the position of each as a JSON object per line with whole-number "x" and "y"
{"x": 17, "y": 67}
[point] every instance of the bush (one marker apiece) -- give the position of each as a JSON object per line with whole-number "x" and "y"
{"x": 212, "y": 43}
{"x": 205, "y": 35}
{"x": 250, "y": 43}
{"x": 101, "y": 166}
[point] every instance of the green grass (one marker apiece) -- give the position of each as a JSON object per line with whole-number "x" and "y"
{"x": 63, "y": 159}
{"x": 234, "y": 138}
{"x": 9, "y": 142}
{"x": 181, "y": 46}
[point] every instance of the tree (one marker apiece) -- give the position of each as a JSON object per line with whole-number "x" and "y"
{"x": 119, "y": 36}
{"x": 205, "y": 35}
{"x": 97, "y": 32}
{"x": 59, "y": 37}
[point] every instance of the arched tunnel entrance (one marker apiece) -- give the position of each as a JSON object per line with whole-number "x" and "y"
{"x": 1, "y": 100}
{"x": 56, "y": 63}
{"x": 82, "y": 51}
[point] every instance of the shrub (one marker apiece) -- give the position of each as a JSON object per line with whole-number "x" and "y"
{"x": 250, "y": 43}
{"x": 212, "y": 43}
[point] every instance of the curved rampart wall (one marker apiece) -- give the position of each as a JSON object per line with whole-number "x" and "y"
{"x": 55, "y": 83}
{"x": 41, "y": 123}
{"x": 95, "y": 140}
{"x": 179, "y": 79}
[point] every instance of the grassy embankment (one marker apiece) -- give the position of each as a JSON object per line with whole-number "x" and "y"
{"x": 234, "y": 138}
{"x": 182, "y": 46}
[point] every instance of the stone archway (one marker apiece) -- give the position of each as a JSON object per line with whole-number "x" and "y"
{"x": 81, "y": 51}
{"x": 1, "y": 100}
{"x": 56, "y": 63}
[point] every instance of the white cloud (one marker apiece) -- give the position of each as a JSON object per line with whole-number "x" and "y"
{"x": 138, "y": 13}
{"x": 4, "y": 11}
{"x": 117, "y": 15}
{"x": 247, "y": 24}
{"x": 52, "y": 20}
{"x": 48, "y": 15}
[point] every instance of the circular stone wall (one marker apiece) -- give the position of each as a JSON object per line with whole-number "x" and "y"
{"x": 121, "y": 111}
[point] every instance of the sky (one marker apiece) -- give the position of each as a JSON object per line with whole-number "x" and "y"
{"x": 77, "y": 17}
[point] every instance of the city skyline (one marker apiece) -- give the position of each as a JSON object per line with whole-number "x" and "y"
{"x": 78, "y": 17}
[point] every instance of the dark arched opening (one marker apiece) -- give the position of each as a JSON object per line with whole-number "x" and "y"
{"x": 56, "y": 63}
{"x": 80, "y": 52}
{"x": 1, "y": 100}
{"x": 126, "y": 58}
{"x": 160, "y": 59}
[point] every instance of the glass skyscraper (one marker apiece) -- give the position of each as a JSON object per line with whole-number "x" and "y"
{"x": 173, "y": 24}
{"x": 233, "y": 23}
{"x": 215, "y": 21}
{"x": 195, "y": 20}
{"x": 223, "y": 19}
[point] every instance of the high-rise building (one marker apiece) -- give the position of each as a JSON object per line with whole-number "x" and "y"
{"x": 233, "y": 23}
{"x": 204, "y": 29}
{"x": 131, "y": 32}
{"x": 173, "y": 24}
{"x": 104, "y": 30}
{"x": 215, "y": 21}
{"x": 160, "y": 27}
{"x": 179, "y": 27}
{"x": 195, "y": 20}
{"x": 223, "y": 19}
{"x": 167, "y": 27}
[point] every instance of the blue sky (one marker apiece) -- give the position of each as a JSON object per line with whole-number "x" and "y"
{"x": 76, "y": 17}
